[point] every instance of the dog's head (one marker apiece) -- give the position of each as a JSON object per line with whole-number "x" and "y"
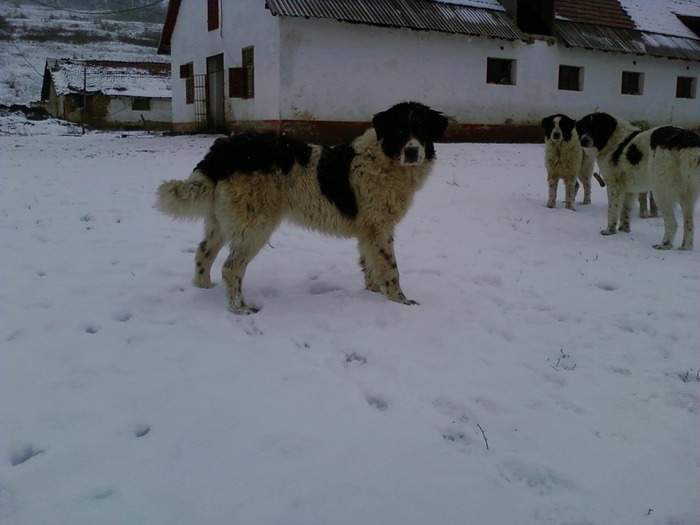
{"x": 595, "y": 130}
{"x": 558, "y": 128}
{"x": 408, "y": 130}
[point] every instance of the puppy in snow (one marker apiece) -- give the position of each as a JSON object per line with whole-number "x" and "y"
{"x": 665, "y": 160}
{"x": 565, "y": 159}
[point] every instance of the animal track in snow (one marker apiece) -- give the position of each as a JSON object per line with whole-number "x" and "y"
{"x": 92, "y": 328}
{"x": 377, "y": 402}
{"x": 141, "y": 430}
{"x": 23, "y": 454}
{"x": 319, "y": 288}
{"x": 354, "y": 358}
{"x": 122, "y": 317}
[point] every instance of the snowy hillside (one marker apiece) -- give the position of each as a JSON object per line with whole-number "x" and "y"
{"x": 31, "y": 33}
{"x": 549, "y": 375}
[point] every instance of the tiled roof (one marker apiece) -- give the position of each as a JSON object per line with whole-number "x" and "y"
{"x": 131, "y": 79}
{"x": 608, "y": 13}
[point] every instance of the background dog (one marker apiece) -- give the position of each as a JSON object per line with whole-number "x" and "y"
{"x": 675, "y": 178}
{"x": 665, "y": 160}
{"x": 566, "y": 160}
{"x": 624, "y": 167}
{"x": 249, "y": 182}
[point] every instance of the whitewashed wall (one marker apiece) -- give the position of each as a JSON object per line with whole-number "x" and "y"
{"x": 244, "y": 23}
{"x": 119, "y": 111}
{"x": 331, "y": 71}
{"x": 337, "y": 71}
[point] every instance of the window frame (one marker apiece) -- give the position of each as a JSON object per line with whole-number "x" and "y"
{"x": 626, "y": 83}
{"x": 566, "y": 79}
{"x": 213, "y": 15}
{"x": 691, "y": 88}
{"x": 141, "y": 104}
{"x": 492, "y": 70}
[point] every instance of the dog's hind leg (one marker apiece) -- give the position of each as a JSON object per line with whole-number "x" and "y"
{"x": 246, "y": 243}
{"x": 666, "y": 205}
{"x": 688, "y": 209}
{"x": 380, "y": 268}
{"x": 207, "y": 251}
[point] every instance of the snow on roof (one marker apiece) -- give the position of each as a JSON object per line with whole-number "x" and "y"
{"x": 111, "y": 78}
{"x": 487, "y": 4}
{"x": 660, "y": 16}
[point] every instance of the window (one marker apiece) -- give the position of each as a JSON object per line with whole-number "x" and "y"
{"x": 242, "y": 79}
{"x": 686, "y": 87}
{"x": 212, "y": 15}
{"x": 500, "y": 71}
{"x": 187, "y": 72}
{"x": 632, "y": 83}
{"x": 571, "y": 78}
{"x": 141, "y": 104}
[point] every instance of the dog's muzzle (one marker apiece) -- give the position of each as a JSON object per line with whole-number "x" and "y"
{"x": 556, "y": 136}
{"x": 412, "y": 154}
{"x": 586, "y": 142}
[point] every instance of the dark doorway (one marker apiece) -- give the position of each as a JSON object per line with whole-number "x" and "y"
{"x": 215, "y": 92}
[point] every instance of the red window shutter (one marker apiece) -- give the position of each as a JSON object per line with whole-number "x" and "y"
{"x": 212, "y": 14}
{"x": 238, "y": 82}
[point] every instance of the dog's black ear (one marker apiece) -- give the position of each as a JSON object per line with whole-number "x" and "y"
{"x": 435, "y": 124}
{"x": 382, "y": 123}
{"x": 548, "y": 125}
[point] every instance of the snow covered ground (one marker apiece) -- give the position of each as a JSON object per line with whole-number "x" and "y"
{"x": 549, "y": 375}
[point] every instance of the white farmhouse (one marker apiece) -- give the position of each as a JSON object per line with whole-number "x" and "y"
{"x": 108, "y": 93}
{"x": 321, "y": 68}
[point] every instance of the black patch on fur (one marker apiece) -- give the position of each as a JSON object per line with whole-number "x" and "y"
{"x": 250, "y": 152}
{"x": 566, "y": 124}
{"x": 618, "y": 152}
{"x": 334, "y": 178}
{"x": 634, "y": 155}
{"x": 406, "y": 120}
{"x": 671, "y": 137}
{"x": 599, "y": 127}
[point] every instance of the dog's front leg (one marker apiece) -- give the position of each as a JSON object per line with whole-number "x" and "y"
{"x": 379, "y": 266}
{"x": 552, "y": 183}
{"x": 626, "y": 212}
{"x": 570, "y": 188}
{"x": 614, "y": 198}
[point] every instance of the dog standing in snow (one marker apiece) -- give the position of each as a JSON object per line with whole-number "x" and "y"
{"x": 665, "y": 160}
{"x": 565, "y": 159}
{"x": 249, "y": 182}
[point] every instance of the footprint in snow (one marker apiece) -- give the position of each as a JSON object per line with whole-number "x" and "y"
{"x": 23, "y": 454}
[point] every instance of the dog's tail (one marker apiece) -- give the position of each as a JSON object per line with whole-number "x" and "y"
{"x": 186, "y": 199}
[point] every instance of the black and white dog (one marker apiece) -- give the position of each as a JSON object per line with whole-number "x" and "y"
{"x": 565, "y": 159}
{"x": 249, "y": 182}
{"x": 665, "y": 160}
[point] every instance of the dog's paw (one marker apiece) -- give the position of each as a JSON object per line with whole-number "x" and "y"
{"x": 203, "y": 283}
{"x": 570, "y": 207}
{"x": 608, "y": 231}
{"x": 243, "y": 309}
{"x": 663, "y": 247}
{"x": 551, "y": 205}
{"x": 685, "y": 248}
